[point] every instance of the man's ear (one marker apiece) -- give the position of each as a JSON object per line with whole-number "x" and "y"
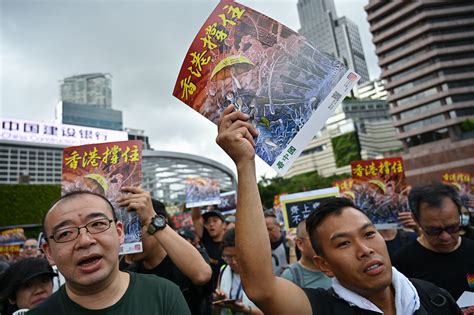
{"x": 322, "y": 264}
{"x": 47, "y": 252}
{"x": 11, "y": 301}
{"x": 299, "y": 244}
{"x": 120, "y": 231}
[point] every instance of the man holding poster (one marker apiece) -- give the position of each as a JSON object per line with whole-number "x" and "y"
{"x": 348, "y": 248}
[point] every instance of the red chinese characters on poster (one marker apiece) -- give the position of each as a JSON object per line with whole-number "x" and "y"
{"x": 104, "y": 168}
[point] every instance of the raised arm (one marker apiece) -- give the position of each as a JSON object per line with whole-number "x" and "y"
{"x": 197, "y": 221}
{"x": 185, "y": 256}
{"x": 271, "y": 294}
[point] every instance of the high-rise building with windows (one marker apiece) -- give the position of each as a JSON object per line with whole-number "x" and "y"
{"x": 336, "y": 36}
{"x": 426, "y": 52}
{"x": 86, "y": 100}
{"x": 88, "y": 89}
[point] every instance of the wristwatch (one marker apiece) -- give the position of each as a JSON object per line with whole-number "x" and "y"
{"x": 157, "y": 223}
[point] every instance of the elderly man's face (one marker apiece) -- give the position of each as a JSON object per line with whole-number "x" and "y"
{"x": 30, "y": 248}
{"x": 273, "y": 229}
{"x": 440, "y": 226}
{"x": 91, "y": 258}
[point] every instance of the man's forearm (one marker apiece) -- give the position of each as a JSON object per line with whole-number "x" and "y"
{"x": 185, "y": 256}
{"x": 252, "y": 241}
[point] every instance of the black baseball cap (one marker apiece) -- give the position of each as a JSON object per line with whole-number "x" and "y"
{"x": 21, "y": 272}
{"x": 213, "y": 213}
{"x": 187, "y": 233}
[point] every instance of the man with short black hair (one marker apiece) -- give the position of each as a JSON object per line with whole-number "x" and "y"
{"x": 348, "y": 249}
{"x": 439, "y": 255}
{"x": 83, "y": 238}
{"x": 210, "y": 228}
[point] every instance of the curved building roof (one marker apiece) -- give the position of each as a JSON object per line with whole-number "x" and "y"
{"x": 165, "y": 174}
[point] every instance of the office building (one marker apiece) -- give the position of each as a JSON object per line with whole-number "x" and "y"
{"x": 86, "y": 100}
{"x": 358, "y": 129}
{"x": 425, "y": 50}
{"x": 338, "y": 37}
{"x": 88, "y": 89}
{"x": 372, "y": 89}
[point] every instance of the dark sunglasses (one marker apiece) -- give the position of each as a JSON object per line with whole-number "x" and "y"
{"x": 435, "y": 231}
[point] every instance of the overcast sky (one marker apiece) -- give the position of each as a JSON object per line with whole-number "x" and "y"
{"x": 141, "y": 44}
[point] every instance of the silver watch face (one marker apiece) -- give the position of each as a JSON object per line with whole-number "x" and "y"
{"x": 159, "y": 221}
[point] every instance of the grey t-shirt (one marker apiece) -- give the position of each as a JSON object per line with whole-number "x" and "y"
{"x": 311, "y": 279}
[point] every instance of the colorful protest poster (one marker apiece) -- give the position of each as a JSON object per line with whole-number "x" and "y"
{"x": 181, "y": 220}
{"x": 286, "y": 85}
{"x": 202, "y": 192}
{"x": 104, "y": 168}
{"x": 11, "y": 241}
{"x": 228, "y": 202}
{"x": 462, "y": 181}
{"x": 297, "y": 207}
{"x": 380, "y": 190}
{"x": 345, "y": 187}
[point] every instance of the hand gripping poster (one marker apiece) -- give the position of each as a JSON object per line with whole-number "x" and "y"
{"x": 104, "y": 168}
{"x": 379, "y": 189}
{"x": 266, "y": 70}
{"x": 202, "y": 192}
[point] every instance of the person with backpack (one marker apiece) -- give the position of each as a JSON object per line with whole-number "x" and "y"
{"x": 347, "y": 245}
{"x": 303, "y": 272}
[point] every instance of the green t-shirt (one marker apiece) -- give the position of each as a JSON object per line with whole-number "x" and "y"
{"x": 311, "y": 279}
{"x": 146, "y": 294}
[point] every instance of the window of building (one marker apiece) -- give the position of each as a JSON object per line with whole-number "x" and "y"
{"x": 424, "y": 122}
{"x": 427, "y": 137}
{"x": 417, "y": 96}
{"x": 421, "y": 109}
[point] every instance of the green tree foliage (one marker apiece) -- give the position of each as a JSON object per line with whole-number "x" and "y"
{"x": 305, "y": 182}
{"x": 26, "y": 204}
{"x": 346, "y": 148}
{"x": 467, "y": 125}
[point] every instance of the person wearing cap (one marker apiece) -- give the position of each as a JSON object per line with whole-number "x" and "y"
{"x": 229, "y": 222}
{"x": 83, "y": 238}
{"x": 210, "y": 228}
{"x": 166, "y": 254}
{"x": 25, "y": 284}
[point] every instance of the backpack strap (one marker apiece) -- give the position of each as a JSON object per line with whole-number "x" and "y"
{"x": 433, "y": 300}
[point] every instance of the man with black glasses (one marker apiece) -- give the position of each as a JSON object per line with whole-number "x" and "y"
{"x": 83, "y": 237}
{"x": 439, "y": 255}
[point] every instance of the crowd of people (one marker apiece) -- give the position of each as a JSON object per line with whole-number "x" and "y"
{"x": 336, "y": 262}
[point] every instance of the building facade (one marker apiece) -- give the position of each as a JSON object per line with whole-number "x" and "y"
{"x": 358, "y": 129}
{"x": 338, "y": 37}
{"x": 88, "y": 89}
{"x": 426, "y": 52}
{"x": 373, "y": 89}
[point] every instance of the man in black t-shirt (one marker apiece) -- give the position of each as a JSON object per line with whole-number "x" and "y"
{"x": 210, "y": 227}
{"x": 347, "y": 245}
{"x": 439, "y": 255}
{"x": 168, "y": 255}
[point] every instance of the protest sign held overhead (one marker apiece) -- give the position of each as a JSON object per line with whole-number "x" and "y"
{"x": 104, "y": 168}
{"x": 202, "y": 192}
{"x": 380, "y": 190}
{"x": 228, "y": 202}
{"x": 297, "y": 207}
{"x": 264, "y": 69}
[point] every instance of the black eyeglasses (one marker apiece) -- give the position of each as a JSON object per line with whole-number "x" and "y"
{"x": 435, "y": 231}
{"x": 71, "y": 233}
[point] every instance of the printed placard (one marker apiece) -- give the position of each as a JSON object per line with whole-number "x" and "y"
{"x": 202, "y": 192}
{"x": 287, "y": 86}
{"x": 228, "y": 202}
{"x": 297, "y": 207}
{"x": 104, "y": 168}
{"x": 380, "y": 190}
